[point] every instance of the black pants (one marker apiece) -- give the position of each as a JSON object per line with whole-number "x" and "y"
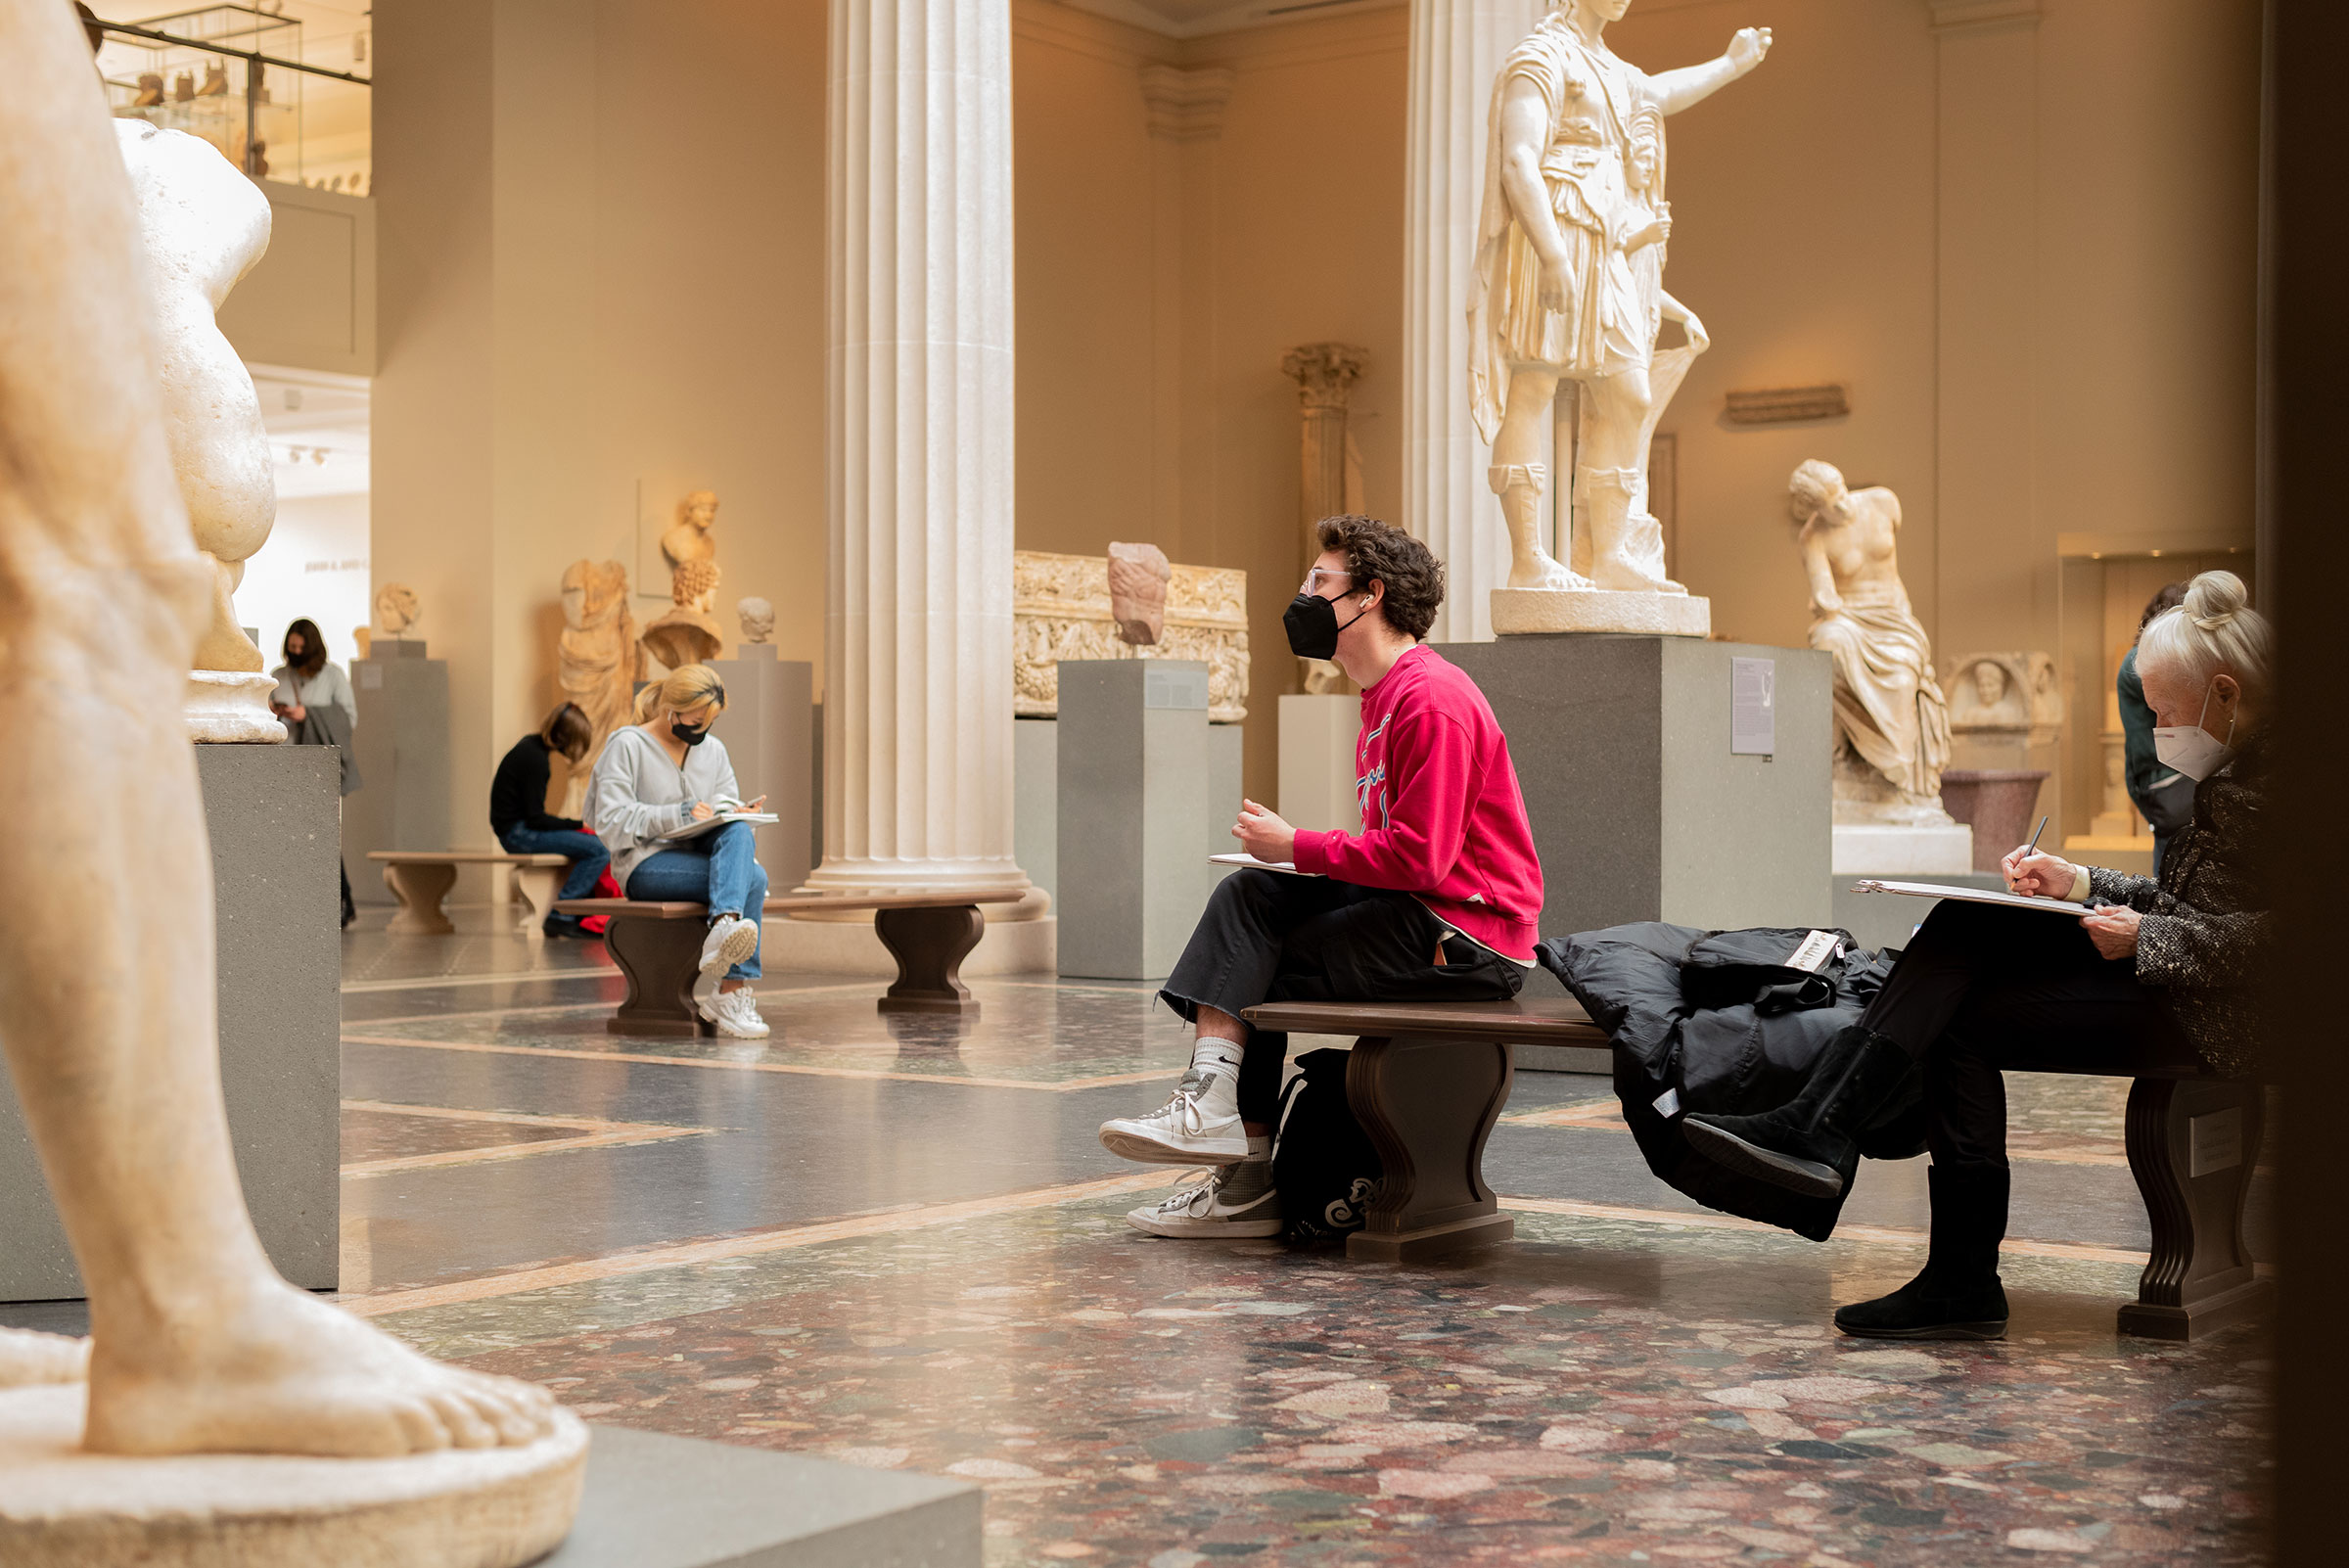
{"x": 1266, "y": 937}
{"x": 1982, "y": 989}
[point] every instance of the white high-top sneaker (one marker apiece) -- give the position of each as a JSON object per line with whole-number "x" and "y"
{"x": 1235, "y": 1201}
{"x": 1199, "y": 1124}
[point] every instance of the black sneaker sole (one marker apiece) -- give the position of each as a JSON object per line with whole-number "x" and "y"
{"x": 1978, "y": 1331}
{"x": 1732, "y": 1153}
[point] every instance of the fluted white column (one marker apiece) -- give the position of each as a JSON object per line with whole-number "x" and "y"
{"x": 917, "y": 637}
{"x": 1456, "y": 50}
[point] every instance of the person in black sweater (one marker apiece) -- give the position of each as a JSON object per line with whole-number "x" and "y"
{"x": 519, "y": 816}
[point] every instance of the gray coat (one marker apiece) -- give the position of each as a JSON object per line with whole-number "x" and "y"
{"x": 636, "y": 794}
{"x": 330, "y": 712}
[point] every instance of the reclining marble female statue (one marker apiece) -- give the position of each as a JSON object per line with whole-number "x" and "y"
{"x": 107, "y": 1008}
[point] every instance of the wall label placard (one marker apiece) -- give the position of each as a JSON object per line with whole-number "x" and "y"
{"x": 1753, "y": 706}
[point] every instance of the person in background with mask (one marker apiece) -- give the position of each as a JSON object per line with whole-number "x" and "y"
{"x": 2165, "y": 800}
{"x": 314, "y": 701}
{"x": 654, "y": 777}
{"x": 1435, "y": 900}
{"x": 519, "y": 817}
{"x": 2164, "y": 973}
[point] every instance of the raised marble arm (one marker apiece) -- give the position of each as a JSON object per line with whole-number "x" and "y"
{"x": 1675, "y": 90}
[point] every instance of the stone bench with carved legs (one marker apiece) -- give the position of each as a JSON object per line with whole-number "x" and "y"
{"x": 421, "y": 878}
{"x": 1427, "y": 1082}
{"x": 657, "y": 947}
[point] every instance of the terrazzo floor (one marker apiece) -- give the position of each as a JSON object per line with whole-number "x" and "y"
{"x": 897, "y": 1244}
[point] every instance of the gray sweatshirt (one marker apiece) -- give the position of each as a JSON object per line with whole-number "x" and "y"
{"x": 327, "y": 688}
{"x": 636, "y": 794}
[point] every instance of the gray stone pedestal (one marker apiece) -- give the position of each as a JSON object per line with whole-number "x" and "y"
{"x": 1133, "y": 774}
{"x": 400, "y": 744}
{"x": 1036, "y": 802}
{"x": 1640, "y": 809}
{"x": 769, "y": 727}
{"x": 270, "y": 810}
{"x": 656, "y": 1501}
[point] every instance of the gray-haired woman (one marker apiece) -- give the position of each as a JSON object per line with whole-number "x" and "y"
{"x": 2161, "y": 975}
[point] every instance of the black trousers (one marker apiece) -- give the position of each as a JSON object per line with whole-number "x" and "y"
{"x": 1984, "y": 989}
{"x": 1267, "y": 937}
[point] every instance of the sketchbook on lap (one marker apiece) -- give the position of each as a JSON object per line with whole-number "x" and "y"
{"x": 1286, "y": 868}
{"x": 2013, "y": 900}
{"x": 715, "y": 820}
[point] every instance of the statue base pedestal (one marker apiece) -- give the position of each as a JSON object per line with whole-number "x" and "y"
{"x": 1891, "y": 850}
{"x": 480, "y": 1508}
{"x": 232, "y": 707}
{"x": 400, "y": 745}
{"x": 1519, "y": 610}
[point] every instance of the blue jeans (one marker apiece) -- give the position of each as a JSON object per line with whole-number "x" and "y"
{"x": 588, "y": 856}
{"x": 720, "y": 869}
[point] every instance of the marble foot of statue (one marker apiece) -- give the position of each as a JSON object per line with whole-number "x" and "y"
{"x": 1545, "y": 572}
{"x": 266, "y": 1368}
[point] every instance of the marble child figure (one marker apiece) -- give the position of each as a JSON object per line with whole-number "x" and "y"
{"x": 659, "y": 775}
{"x": 2165, "y": 974}
{"x": 519, "y": 817}
{"x": 1434, "y": 901}
{"x": 197, "y": 1345}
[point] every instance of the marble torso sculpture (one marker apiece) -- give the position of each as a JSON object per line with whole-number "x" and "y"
{"x": 688, "y": 537}
{"x": 205, "y": 227}
{"x": 756, "y": 618}
{"x": 396, "y": 609}
{"x": 686, "y": 633}
{"x": 597, "y": 656}
{"x": 198, "y": 1347}
{"x": 1565, "y": 309}
{"x": 1892, "y": 728}
{"x": 1138, "y": 575}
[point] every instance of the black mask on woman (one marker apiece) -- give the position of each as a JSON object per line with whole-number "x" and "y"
{"x": 690, "y": 735}
{"x": 1311, "y": 623}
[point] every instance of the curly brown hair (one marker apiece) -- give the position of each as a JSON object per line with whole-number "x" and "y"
{"x": 1380, "y": 552}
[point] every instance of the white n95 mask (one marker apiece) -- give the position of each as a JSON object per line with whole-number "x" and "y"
{"x": 2192, "y": 750}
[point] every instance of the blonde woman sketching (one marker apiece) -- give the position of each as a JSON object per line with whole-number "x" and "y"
{"x": 656, "y": 776}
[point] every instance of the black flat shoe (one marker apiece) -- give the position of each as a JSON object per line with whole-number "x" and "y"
{"x": 1730, "y": 1152}
{"x": 1806, "y": 1144}
{"x": 1924, "y": 1309}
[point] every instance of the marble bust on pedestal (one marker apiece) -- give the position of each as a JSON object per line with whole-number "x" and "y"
{"x": 396, "y": 609}
{"x": 756, "y": 618}
{"x": 688, "y": 537}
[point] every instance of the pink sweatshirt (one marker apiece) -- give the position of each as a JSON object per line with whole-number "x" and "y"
{"x": 1443, "y": 818}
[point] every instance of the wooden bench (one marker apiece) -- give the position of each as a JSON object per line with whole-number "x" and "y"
{"x": 421, "y": 878}
{"x": 1428, "y": 1081}
{"x": 658, "y": 947}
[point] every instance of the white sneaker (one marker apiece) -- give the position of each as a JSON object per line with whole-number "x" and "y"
{"x": 738, "y": 1015}
{"x": 1235, "y": 1200}
{"x": 1193, "y": 1128}
{"x": 731, "y": 940}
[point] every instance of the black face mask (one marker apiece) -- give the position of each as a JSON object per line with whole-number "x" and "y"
{"x": 690, "y": 735}
{"x": 1311, "y": 623}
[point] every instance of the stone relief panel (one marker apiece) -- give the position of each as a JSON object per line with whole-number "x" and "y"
{"x": 1061, "y": 609}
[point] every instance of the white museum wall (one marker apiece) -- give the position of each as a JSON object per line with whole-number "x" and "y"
{"x": 314, "y": 565}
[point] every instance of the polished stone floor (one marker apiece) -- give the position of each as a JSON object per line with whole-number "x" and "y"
{"x": 897, "y": 1242}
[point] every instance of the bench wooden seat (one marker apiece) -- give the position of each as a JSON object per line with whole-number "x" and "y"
{"x": 1428, "y": 1081}
{"x": 421, "y": 878}
{"x": 658, "y": 947}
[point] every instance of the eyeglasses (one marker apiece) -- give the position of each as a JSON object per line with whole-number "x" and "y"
{"x": 1320, "y": 574}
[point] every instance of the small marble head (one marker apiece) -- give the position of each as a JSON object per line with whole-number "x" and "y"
{"x": 1816, "y": 487}
{"x": 757, "y": 617}
{"x": 1990, "y": 682}
{"x": 700, "y": 510}
{"x": 395, "y": 610}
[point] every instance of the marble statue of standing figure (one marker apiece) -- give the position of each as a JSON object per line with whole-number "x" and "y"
{"x": 198, "y": 1345}
{"x": 1553, "y": 300}
{"x": 1892, "y": 726}
{"x": 599, "y": 659}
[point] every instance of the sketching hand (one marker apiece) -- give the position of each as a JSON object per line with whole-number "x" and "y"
{"x": 2038, "y": 876}
{"x": 1262, "y": 834}
{"x": 702, "y": 811}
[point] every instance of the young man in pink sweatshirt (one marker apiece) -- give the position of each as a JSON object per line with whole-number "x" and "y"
{"x": 1435, "y": 899}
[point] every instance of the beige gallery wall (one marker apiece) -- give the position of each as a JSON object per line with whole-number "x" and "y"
{"x": 602, "y": 286}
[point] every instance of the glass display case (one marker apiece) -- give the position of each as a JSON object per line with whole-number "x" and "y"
{"x": 244, "y": 80}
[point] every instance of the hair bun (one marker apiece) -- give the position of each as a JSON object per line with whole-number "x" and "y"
{"x": 2213, "y": 599}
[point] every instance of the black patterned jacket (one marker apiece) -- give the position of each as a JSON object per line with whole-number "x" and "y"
{"x": 2207, "y": 929}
